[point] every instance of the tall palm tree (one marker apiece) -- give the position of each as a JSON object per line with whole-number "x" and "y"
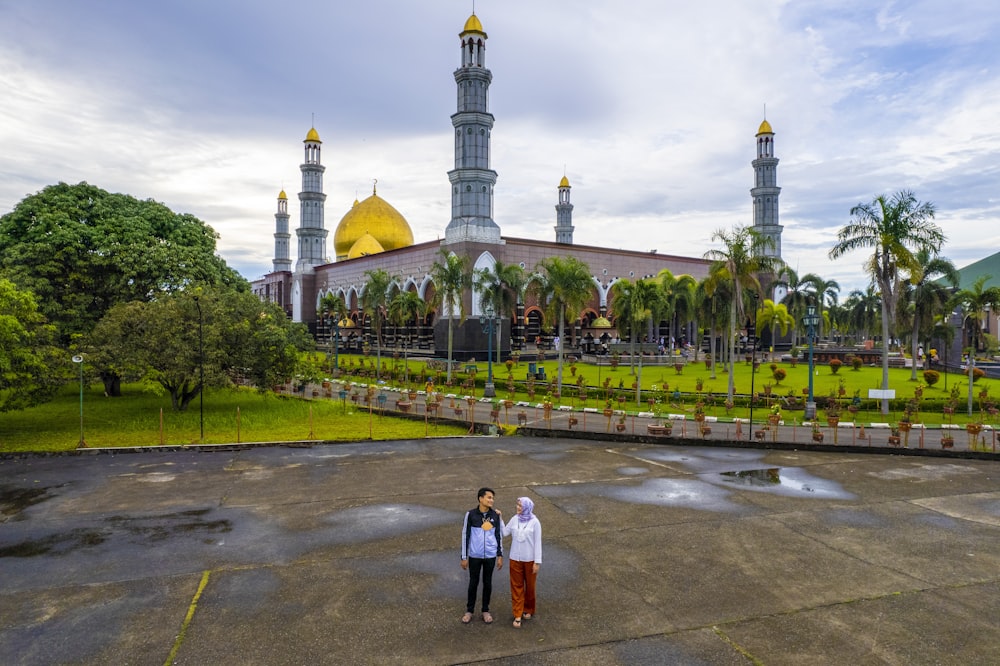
{"x": 374, "y": 299}
{"x": 929, "y": 297}
{"x": 862, "y": 312}
{"x": 634, "y": 304}
{"x": 335, "y": 309}
{"x": 796, "y": 298}
{"x": 565, "y": 287}
{"x": 742, "y": 257}
{"x": 976, "y": 302}
{"x": 406, "y": 307}
{"x": 451, "y": 278}
{"x": 822, "y": 292}
{"x": 679, "y": 300}
{"x": 502, "y": 288}
{"x": 894, "y": 228}
{"x": 774, "y": 316}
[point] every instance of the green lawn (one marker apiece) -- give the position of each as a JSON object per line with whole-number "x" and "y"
{"x": 712, "y": 391}
{"x": 230, "y": 416}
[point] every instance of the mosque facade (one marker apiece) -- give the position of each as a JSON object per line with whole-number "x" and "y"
{"x": 374, "y": 235}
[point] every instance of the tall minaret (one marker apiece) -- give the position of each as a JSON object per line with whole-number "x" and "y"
{"x": 765, "y": 190}
{"x": 311, "y": 232}
{"x": 282, "y": 260}
{"x": 564, "y": 214}
{"x": 472, "y": 180}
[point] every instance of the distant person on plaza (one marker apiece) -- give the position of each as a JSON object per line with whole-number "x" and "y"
{"x": 482, "y": 549}
{"x": 525, "y": 559}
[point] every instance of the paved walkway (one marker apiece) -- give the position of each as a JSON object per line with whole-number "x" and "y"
{"x": 348, "y": 554}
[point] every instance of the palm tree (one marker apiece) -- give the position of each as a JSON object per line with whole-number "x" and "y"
{"x": 976, "y": 302}
{"x": 796, "y": 298}
{"x": 405, "y": 307}
{"x": 775, "y": 316}
{"x": 894, "y": 228}
{"x": 742, "y": 257}
{"x": 501, "y": 288}
{"x": 929, "y": 297}
{"x": 634, "y": 303}
{"x": 822, "y": 292}
{"x": 374, "y": 299}
{"x": 335, "y": 309}
{"x": 565, "y": 287}
{"x": 862, "y": 312}
{"x": 451, "y": 278}
{"x": 678, "y": 300}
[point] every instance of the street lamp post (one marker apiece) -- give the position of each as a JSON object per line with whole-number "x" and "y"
{"x": 488, "y": 319}
{"x": 201, "y": 368}
{"x": 811, "y": 320}
{"x": 79, "y": 361}
{"x": 753, "y": 362}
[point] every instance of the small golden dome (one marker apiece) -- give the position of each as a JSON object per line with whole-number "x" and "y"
{"x": 601, "y": 322}
{"x": 282, "y": 195}
{"x": 765, "y": 128}
{"x": 364, "y": 246}
{"x": 346, "y": 323}
{"x": 473, "y": 25}
{"x": 375, "y": 217}
{"x": 313, "y": 136}
{"x": 564, "y": 182}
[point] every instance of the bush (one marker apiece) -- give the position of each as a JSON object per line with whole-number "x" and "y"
{"x": 856, "y": 362}
{"x": 779, "y": 374}
{"x": 977, "y": 374}
{"x": 931, "y": 377}
{"x": 835, "y": 364}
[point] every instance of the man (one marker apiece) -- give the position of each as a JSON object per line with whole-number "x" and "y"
{"x": 482, "y": 549}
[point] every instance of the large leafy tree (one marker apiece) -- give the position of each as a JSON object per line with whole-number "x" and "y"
{"x": 176, "y": 341}
{"x": 894, "y": 228}
{"x": 796, "y": 299}
{"x": 742, "y": 257}
{"x": 451, "y": 276}
{"x": 678, "y": 302}
{"x": 82, "y": 250}
{"x": 30, "y": 369}
{"x": 565, "y": 287}
{"x": 776, "y": 317}
{"x": 375, "y": 301}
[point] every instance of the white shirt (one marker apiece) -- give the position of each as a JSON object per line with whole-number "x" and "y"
{"x": 526, "y": 544}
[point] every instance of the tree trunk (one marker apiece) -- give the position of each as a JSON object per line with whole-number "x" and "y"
{"x": 885, "y": 355}
{"x": 562, "y": 315}
{"x": 732, "y": 350}
{"x": 112, "y": 384}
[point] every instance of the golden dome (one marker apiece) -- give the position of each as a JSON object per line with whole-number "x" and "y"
{"x": 564, "y": 182}
{"x": 765, "y": 128}
{"x": 601, "y": 322}
{"x": 473, "y": 25}
{"x": 364, "y": 246}
{"x": 374, "y": 217}
{"x": 313, "y": 135}
{"x": 282, "y": 195}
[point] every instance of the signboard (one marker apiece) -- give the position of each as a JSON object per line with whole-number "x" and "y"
{"x": 880, "y": 394}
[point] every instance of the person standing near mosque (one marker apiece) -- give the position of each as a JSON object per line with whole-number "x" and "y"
{"x": 482, "y": 549}
{"x": 525, "y": 559}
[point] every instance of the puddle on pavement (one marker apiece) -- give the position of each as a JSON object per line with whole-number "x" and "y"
{"x": 754, "y": 477}
{"x": 14, "y": 500}
{"x": 791, "y": 481}
{"x": 632, "y": 471}
{"x": 165, "y": 526}
{"x": 688, "y": 493}
{"x": 383, "y": 521}
{"x": 55, "y": 544}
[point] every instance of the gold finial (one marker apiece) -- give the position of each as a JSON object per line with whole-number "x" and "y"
{"x": 374, "y": 183}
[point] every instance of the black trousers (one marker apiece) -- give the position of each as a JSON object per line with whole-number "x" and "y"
{"x": 484, "y": 567}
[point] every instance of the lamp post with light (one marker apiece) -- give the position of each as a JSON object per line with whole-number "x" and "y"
{"x": 753, "y": 361}
{"x": 811, "y": 320}
{"x": 79, "y": 361}
{"x": 489, "y": 321}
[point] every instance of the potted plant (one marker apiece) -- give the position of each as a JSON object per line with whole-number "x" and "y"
{"x": 894, "y": 437}
{"x": 947, "y": 440}
{"x": 817, "y": 434}
{"x": 620, "y": 426}
{"x": 774, "y": 418}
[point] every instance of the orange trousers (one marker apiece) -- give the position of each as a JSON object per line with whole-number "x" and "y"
{"x": 522, "y": 587}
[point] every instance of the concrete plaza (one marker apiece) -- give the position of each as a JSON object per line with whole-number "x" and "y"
{"x": 348, "y": 554}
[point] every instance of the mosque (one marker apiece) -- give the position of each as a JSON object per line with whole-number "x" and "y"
{"x": 374, "y": 235}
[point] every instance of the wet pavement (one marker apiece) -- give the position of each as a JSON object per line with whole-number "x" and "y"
{"x": 348, "y": 554}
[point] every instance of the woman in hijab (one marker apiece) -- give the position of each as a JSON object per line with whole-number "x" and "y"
{"x": 525, "y": 558}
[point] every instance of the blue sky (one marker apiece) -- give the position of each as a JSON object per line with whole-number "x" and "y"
{"x": 650, "y": 112}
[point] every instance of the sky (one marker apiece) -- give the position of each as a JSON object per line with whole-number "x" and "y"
{"x": 649, "y": 108}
